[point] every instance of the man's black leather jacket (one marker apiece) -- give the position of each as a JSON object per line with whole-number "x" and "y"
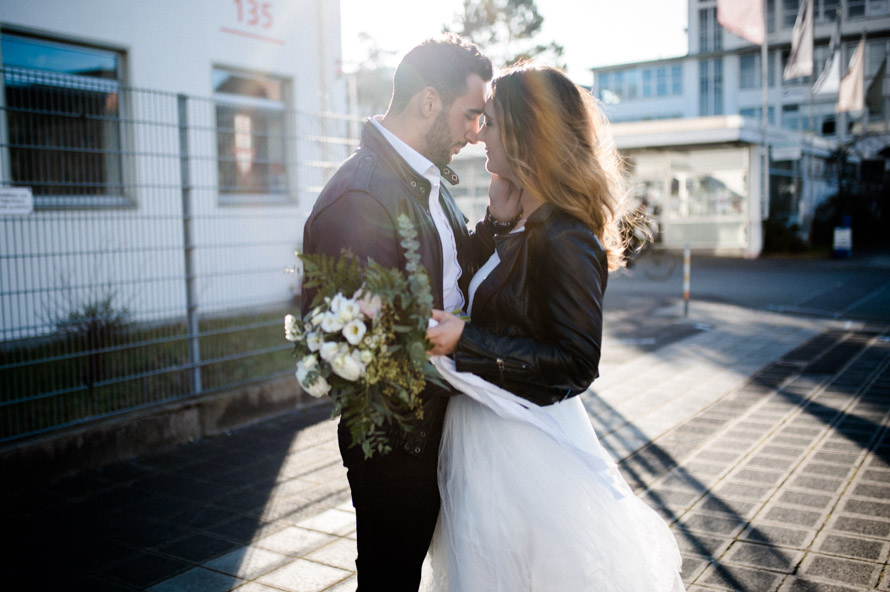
{"x": 536, "y": 324}
{"x": 358, "y": 210}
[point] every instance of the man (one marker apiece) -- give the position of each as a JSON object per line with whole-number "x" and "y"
{"x": 439, "y": 91}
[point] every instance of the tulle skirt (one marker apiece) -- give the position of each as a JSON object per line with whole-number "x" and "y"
{"x": 532, "y": 502}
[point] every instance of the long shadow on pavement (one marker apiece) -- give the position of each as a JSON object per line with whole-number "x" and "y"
{"x": 849, "y": 371}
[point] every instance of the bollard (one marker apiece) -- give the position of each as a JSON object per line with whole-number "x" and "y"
{"x": 686, "y": 267}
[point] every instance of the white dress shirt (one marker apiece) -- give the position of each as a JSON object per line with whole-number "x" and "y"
{"x": 451, "y": 272}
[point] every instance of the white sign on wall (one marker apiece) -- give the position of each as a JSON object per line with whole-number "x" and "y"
{"x": 16, "y": 201}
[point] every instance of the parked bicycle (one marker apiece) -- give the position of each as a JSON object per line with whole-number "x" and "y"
{"x": 645, "y": 250}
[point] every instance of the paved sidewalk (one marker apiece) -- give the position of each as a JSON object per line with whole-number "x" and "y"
{"x": 761, "y": 438}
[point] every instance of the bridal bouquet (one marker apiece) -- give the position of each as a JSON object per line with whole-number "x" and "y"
{"x": 363, "y": 341}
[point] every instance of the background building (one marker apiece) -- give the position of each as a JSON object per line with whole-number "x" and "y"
{"x": 720, "y": 77}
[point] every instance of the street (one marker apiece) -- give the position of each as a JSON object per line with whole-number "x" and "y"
{"x": 845, "y": 289}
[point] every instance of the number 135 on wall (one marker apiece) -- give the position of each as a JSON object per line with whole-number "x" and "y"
{"x": 254, "y": 13}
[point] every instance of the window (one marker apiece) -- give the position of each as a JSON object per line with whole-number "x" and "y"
{"x": 756, "y": 113}
{"x": 789, "y": 12}
{"x": 861, "y": 8}
{"x": 251, "y": 137}
{"x": 875, "y": 52}
{"x": 791, "y": 118}
{"x": 825, "y": 11}
{"x": 633, "y": 84}
{"x": 63, "y": 121}
{"x": 711, "y": 87}
{"x": 709, "y": 31}
{"x": 636, "y": 83}
{"x": 749, "y": 75}
{"x": 676, "y": 80}
{"x": 749, "y": 70}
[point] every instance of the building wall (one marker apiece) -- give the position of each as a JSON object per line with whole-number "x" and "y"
{"x": 64, "y": 256}
{"x": 172, "y": 46}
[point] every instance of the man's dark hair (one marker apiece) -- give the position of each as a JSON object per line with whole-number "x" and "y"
{"x": 443, "y": 63}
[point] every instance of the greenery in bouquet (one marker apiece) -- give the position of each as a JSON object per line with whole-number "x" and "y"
{"x": 364, "y": 343}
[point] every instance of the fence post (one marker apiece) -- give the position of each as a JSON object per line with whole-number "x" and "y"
{"x": 189, "y": 249}
{"x": 686, "y": 269}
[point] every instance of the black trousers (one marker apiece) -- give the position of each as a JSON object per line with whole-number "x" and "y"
{"x": 396, "y": 499}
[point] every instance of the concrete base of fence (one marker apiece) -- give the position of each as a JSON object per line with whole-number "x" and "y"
{"x": 39, "y": 460}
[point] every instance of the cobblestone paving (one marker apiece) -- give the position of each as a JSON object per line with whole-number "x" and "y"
{"x": 762, "y": 439}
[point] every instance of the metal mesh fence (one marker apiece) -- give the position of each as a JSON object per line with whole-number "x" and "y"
{"x": 152, "y": 267}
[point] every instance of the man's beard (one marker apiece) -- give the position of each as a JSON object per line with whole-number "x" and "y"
{"x": 438, "y": 141}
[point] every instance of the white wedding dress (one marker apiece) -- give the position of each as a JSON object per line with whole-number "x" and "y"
{"x": 532, "y": 502}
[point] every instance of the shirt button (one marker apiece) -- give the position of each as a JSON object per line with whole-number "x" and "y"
{"x": 417, "y": 450}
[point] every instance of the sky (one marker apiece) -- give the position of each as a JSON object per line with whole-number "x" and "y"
{"x": 593, "y": 32}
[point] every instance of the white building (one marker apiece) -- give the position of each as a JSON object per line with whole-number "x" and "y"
{"x": 149, "y": 145}
{"x": 705, "y": 158}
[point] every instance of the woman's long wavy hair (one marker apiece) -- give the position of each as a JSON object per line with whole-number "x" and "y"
{"x": 558, "y": 146}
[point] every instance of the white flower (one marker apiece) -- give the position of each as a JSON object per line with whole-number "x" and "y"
{"x": 354, "y": 331}
{"x": 366, "y": 356}
{"x": 319, "y": 387}
{"x": 314, "y": 340}
{"x": 291, "y": 333}
{"x": 328, "y": 350}
{"x": 317, "y": 317}
{"x": 349, "y": 310}
{"x": 331, "y": 323}
{"x": 342, "y": 307}
{"x": 335, "y": 303}
{"x": 346, "y": 366}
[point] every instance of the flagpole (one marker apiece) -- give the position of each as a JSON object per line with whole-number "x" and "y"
{"x": 764, "y": 119}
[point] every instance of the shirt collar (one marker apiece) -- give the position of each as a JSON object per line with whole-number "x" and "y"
{"x": 417, "y": 161}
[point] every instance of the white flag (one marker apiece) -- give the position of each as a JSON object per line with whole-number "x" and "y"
{"x": 744, "y": 18}
{"x": 851, "y": 96}
{"x": 829, "y": 80}
{"x": 800, "y": 61}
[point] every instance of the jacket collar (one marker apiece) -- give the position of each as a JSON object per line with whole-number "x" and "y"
{"x": 541, "y": 215}
{"x": 376, "y": 141}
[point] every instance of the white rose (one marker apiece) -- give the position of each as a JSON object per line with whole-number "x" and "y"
{"x": 335, "y": 304}
{"x": 345, "y": 366}
{"x": 349, "y": 310}
{"x": 314, "y": 340}
{"x": 328, "y": 350}
{"x": 331, "y": 323}
{"x": 354, "y": 331}
{"x": 319, "y": 386}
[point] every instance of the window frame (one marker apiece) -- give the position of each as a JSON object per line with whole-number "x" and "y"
{"x": 55, "y": 79}
{"x": 287, "y": 144}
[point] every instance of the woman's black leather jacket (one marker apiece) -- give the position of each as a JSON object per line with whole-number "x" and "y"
{"x": 536, "y": 324}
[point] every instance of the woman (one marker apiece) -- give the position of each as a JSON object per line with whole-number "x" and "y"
{"x": 530, "y": 500}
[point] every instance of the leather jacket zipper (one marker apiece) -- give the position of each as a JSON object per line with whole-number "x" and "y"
{"x": 508, "y": 365}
